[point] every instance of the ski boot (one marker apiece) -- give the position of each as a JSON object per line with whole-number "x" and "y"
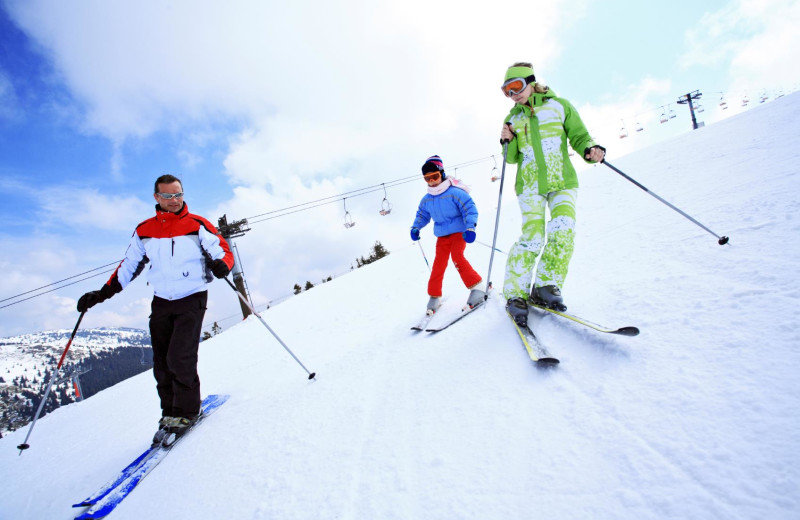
{"x": 433, "y": 305}
{"x": 176, "y": 427}
{"x": 518, "y": 309}
{"x": 161, "y": 434}
{"x": 548, "y": 296}
{"x": 476, "y": 296}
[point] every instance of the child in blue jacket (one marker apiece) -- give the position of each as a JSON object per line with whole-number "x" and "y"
{"x": 454, "y": 216}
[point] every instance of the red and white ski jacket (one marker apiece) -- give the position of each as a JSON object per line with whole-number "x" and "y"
{"x": 179, "y": 247}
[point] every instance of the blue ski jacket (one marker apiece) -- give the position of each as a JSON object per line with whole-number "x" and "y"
{"x": 452, "y": 211}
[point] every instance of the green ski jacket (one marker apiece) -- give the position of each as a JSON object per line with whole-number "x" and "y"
{"x": 539, "y": 148}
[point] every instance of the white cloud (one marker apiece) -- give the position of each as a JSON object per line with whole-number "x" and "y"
{"x": 757, "y": 38}
{"x": 89, "y": 209}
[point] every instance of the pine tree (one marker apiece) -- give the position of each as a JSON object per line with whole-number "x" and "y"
{"x": 297, "y": 289}
{"x": 378, "y": 251}
{"x": 309, "y": 285}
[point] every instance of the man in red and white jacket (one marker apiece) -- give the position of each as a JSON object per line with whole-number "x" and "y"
{"x": 183, "y": 251}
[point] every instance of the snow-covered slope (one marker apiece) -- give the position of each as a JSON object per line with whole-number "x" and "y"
{"x": 695, "y": 418}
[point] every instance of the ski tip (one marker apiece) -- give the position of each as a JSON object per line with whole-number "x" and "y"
{"x": 548, "y": 362}
{"x": 627, "y": 331}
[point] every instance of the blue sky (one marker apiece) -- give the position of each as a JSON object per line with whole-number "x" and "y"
{"x": 259, "y": 106}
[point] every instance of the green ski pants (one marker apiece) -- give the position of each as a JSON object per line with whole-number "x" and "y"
{"x": 555, "y": 247}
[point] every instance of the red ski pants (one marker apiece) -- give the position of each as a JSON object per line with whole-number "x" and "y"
{"x": 447, "y": 247}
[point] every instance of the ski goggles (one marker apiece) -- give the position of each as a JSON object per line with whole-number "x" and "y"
{"x": 514, "y": 86}
{"x": 432, "y": 177}
{"x": 169, "y": 196}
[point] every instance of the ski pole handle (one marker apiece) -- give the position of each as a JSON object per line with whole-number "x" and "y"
{"x": 506, "y": 141}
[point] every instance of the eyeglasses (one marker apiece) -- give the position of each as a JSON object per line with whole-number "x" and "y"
{"x": 169, "y": 196}
{"x": 432, "y": 177}
{"x": 514, "y": 86}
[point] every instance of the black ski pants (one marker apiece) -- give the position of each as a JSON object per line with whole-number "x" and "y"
{"x": 175, "y": 327}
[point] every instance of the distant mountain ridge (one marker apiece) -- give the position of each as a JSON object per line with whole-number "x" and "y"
{"x": 99, "y": 358}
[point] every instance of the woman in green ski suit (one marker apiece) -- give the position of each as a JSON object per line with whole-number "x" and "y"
{"x": 538, "y": 130}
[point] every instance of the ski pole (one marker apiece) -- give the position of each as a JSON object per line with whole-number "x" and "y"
{"x": 311, "y": 375}
{"x": 423, "y": 255}
{"x": 720, "y": 240}
{"x": 497, "y": 218}
{"x": 490, "y": 247}
{"x": 25, "y": 445}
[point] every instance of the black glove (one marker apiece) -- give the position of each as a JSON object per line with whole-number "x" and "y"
{"x": 588, "y": 149}
{"x": 219, "y": 268}
{"x": 92, "y": 298}
{"x": 89, "y": 300}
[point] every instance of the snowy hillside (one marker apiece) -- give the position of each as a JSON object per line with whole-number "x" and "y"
{"x": 26, "y": 353}
{"x": 99, "y": 358}
{"x": 696, "y": 418}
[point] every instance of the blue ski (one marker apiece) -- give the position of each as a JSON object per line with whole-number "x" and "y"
{"x": 123, "y": 475}
{"x": 110, "y": 495}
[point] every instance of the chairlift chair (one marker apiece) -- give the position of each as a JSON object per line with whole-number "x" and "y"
{"x": 495, "y": 172}
{"x": 386, "y": 206}
{"x": 623, "y": 132}
{"x": 722, "y": 104}
{"x": 664, "y": 117}
{"x": 639, "y": 126}
{"x": 672, "y": 113}
{"x": 745, "y": 101}
{"x": 699, "y": 108}
{"x": 348, "y": 219}
{"x": 143, "y": 360}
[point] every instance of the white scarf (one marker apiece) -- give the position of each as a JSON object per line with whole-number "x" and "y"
{"x": 442, "y": 187}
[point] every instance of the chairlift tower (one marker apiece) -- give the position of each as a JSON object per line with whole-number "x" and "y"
{"x": 75, "y": 378}
{"x": 229, "y": 231}
{"x": 687, "y": 99}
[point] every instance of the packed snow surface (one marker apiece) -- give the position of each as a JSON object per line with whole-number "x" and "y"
{"x": 696, "y": 418}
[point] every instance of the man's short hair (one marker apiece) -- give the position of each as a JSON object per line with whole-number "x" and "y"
{"x": 166, "y": 179}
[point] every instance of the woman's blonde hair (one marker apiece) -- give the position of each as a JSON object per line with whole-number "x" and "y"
{"x": 537, "y": 87}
